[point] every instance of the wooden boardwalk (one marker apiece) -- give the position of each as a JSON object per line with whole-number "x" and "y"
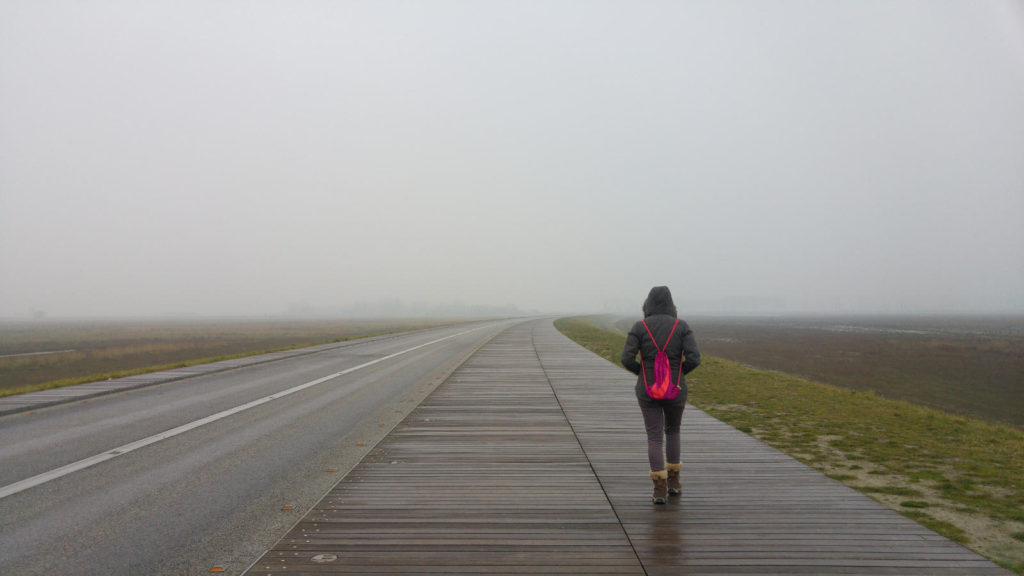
{"x": 531, "y": 459}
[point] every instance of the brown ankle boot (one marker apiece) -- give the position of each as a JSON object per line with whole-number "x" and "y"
{"x": 660, "y": 486}
{"x": 675, "y": 487}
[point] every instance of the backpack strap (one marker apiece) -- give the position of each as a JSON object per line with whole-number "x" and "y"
{"x": 652, "y": 335}
{"x": 679, "y": 377}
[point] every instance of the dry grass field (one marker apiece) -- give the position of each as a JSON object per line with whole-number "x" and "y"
{"x": 973, "y": 366}
{"x": 49, "y": 353}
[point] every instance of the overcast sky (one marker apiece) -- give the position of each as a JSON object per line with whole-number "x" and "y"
{"x": 250, "y": 158}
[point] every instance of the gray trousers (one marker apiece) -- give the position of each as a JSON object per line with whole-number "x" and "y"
{"x": 662, "y": 422}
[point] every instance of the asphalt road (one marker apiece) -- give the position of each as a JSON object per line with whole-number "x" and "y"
{"x": 227, "y": 463}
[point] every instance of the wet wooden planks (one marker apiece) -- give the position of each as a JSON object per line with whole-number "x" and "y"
{"x": 531, "y": 459}
{"x": 484, "y": 477}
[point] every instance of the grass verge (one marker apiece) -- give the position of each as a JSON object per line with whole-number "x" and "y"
{"x": 961, "y": 477}
{"x": 147, "y": 369}
{"x": 130, "y": 350}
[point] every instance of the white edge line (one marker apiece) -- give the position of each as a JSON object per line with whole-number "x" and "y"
{"x": 56, "y": 473}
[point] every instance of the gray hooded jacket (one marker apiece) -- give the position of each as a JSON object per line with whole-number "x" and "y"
{"x": 660, "y": 314}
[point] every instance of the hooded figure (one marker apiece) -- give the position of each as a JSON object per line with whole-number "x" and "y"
{"x": 662, "y": 418}
{"x": 659, "y": 301}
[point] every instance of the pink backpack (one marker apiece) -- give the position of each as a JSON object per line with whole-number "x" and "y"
{"x": 662, "y": 387}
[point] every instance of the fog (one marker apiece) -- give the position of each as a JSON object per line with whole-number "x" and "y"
{"x": 246, "y": 158}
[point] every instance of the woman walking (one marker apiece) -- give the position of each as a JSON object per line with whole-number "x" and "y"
{"x": 661, "y": 388}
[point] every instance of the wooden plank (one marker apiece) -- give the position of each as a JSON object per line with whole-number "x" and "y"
{"x": 531, "y": 459}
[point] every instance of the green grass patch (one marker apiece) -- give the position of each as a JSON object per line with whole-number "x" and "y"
{"x": 954, "y": 533}
{"x": 914, "y": 504}
{"x": 959, "y": 462}
{"x": 890, "y": 490}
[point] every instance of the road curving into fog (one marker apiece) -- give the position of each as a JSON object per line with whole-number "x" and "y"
{"x": 184, "y": 477}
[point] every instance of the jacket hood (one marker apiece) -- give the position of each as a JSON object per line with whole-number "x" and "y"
{"x": 659, "y": 301}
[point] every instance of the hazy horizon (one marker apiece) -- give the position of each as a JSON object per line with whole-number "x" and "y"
{"x": 256, "y": 158}
{"x": 454, "y": 311}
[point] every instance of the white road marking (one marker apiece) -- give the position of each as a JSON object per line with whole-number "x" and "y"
{"x": 122, "y": 450}
{"x": 36, "y": 353}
